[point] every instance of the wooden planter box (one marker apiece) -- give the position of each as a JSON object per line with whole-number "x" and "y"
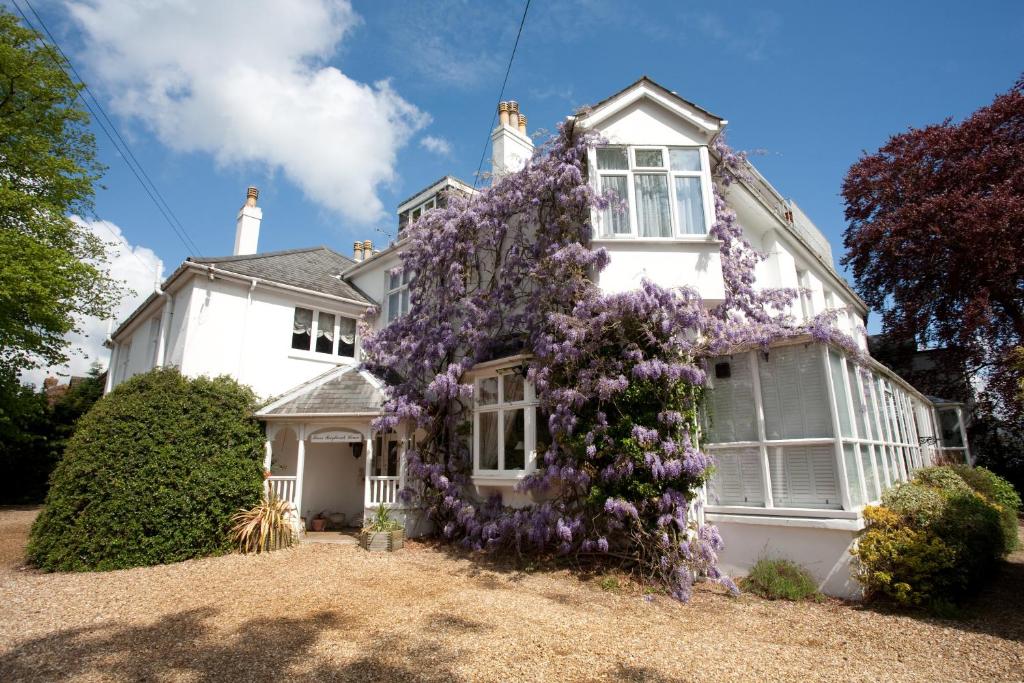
{"x": 382, "y": 541}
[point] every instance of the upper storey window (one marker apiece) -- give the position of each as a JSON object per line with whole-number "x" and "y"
{"x": 398, "y": 292}
{"x": 664, "y": 192}
{"x": 323, "y": 332}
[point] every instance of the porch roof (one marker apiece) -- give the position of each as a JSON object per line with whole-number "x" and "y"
{"x": 341, "y": 391}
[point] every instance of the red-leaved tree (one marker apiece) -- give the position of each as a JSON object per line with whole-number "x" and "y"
{"x": 936, "y": 240}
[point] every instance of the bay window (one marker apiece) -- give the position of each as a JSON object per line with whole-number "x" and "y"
{"x": 324, "y": 333}
{"x": 504, "y": 424}
{"x": 662, "y": 192}
{"x": 802, "y": 426}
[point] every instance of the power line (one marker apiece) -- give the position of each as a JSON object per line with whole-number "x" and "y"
{"x": 494, "y": 115}
{"x": 123, "y": 148}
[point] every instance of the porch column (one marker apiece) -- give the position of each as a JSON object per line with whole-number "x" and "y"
{"x": 367, "y": 498}
{"x": 300, "y": 470}
{"x": 268, "y": 458}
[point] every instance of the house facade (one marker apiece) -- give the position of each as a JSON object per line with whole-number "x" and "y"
{"x": 803, "y": 438}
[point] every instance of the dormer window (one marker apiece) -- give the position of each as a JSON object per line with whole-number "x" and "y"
{"x": 664, "y": 192}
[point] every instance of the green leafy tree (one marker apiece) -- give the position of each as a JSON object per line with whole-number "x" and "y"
{"x": 153, "y": 474}
{"x": 50, "y": 272}
{"x": 26, "y": 454}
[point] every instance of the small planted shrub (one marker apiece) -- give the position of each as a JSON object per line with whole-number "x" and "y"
{"x": 153, "y": 474}
{"x": 780, "y": 580}
{"x": 264, "y": 527}
{"x": 933, "y": 539}
{"x": 382, "y": 532}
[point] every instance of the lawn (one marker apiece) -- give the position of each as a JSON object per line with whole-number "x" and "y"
{"x": 335, "y": 612}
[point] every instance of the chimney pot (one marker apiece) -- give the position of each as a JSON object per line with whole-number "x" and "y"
{"x": 251, "y": 195}
{"x": 522, "y": 123}
{"x": 513, "y": 114}
{"x": 357, "y": 251}
{"x": 367, "y": 249}
{"x": 503, "y": 113}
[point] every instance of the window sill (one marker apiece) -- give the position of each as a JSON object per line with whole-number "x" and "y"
{"x": 498, "y": 478}
{"x": 321, "y": 357}
{"x": 789, "y": 520}
{"x": 687, "y": 239}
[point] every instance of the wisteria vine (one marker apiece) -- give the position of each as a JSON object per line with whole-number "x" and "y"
{"x": 619, "y": 377}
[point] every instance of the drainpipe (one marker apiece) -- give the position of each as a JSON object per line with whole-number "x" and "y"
{"x": 165, "y": 328}
{"x": 245, "y": 329}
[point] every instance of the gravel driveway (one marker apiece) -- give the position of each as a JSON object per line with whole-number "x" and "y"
{"x": 334, "y": 612}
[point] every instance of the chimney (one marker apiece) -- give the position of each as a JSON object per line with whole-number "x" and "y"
{"x": 367, "y": 249}
{"x": 511, "y": 147}
{"x": 357, "y": 251}
{"x": 247, "y": 230}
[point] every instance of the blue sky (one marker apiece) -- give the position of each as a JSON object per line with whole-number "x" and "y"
{"x": 215, "y": 100}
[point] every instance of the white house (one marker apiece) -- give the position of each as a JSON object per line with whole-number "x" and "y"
{"x": 803, "y": 439}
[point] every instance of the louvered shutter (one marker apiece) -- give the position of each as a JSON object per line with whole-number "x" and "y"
{"x": 737, "y": 479}
{"x": 731, "y": 403}
{"x": 804, "y": 476}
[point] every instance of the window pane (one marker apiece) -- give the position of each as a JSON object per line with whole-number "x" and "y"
{"x": 488, "y": 391}
{"x": 684, "y": 159}
{"x": 404, "y": 307}
{"x": 406, "y": 276}
{"x": 325, "y": 333}
{"x": 690, "y": 206}
{"x": 513, "y": 388}
{"x": 615, "y": 219}
{"x": 302, "y": 329}
{"x": 852, "y": 474}
{"x": 949, "y": 423}
{"x": 515, "y": 439}
{"x": 394, "y": 279}
{"x": 804, "y": 476}
{"x": 347, "y": 340}
{"x": 543, "y": 437}
{"x": 835, "y": 363}
{"x": 652, "y": 208}
{"x": 649, "y": 158}
{"x": 612, "y": 158}
{"x": 737, "y": 478}
{"x": 394, "y": 305}
{"x": 730, "y": 404}
{"x": 488, "y": 441}
{"x": 868, "y": 462}
{"x": 794, "y": 393}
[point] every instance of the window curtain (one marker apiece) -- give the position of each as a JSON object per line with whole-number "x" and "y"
{"x": 303, "y": 323}
{"x": 348, "y": 331}
{"x": 652, "y": 207}
{"x": 615, "y": 219}
{"x": 514, "y": 439}
{"x": 488, "y": 441}
{"x": 690, "y": 206}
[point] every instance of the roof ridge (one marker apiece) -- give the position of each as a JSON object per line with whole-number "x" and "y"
{"x": 249, "y": 257}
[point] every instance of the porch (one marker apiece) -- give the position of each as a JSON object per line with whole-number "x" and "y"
{"x": 322, "y": 456}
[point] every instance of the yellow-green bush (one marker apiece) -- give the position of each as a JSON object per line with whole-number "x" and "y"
{"x": 932, "y": 539}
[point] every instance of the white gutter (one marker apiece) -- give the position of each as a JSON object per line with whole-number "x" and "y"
{"x": 212, "y": 270}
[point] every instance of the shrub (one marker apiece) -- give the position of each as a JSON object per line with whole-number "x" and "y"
{"x": 265, "y": 527}
{"x": 780, "y": 580}
{"x": 153, "y": 474}
{"x": 997, "y": 490}
{"x": 382, "y": 521}
{"x": 932, "y": 539}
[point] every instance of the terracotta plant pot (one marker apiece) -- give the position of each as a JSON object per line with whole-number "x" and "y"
{"x": 318, "y": 524}
{"x": 382, "y": 541}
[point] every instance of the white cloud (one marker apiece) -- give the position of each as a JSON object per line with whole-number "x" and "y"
{"x": 437, "y": 145}
{"x": 245, "y": 80}
{"x": 139, "y": 268}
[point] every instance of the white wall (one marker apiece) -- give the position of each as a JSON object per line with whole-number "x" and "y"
{"x": 825, "y": 553}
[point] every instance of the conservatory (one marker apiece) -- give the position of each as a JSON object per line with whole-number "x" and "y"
{"x": 803, "y": 439}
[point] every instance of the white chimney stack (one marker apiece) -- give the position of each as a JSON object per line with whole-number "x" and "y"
{"x": 511, "y": 147}
{"x": 247, "y": 230}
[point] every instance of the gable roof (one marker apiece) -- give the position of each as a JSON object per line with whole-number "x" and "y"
{"x": 345, "y": 390}
{"x": 317, "y": 269}
{"x": 645, "y": 87}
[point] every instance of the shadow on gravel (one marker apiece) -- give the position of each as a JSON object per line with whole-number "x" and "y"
{"x": 184, "y": 646}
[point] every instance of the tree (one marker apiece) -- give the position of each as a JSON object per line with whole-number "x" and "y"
{"x": 936, "y": 239}
{"x": 50, "y": 272}
{"x": 152, "y": 474}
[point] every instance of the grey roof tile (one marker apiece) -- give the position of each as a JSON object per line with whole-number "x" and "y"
{"x": 315, "y": 268}
{"x": 349, "y": 392}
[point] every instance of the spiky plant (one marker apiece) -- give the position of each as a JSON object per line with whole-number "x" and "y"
{"x": 265, "y": 527}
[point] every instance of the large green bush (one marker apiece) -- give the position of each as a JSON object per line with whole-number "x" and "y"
{"x": 935, "y": 538}
{"x": 999, "y": 490}
{"x": 153, "y": 474}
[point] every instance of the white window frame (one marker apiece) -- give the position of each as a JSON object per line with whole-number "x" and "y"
{"x": 633, "y": 170}
{"x": 311, "y": 352}
{"x": 529, "y": 407}
{"x": 402, "y": 290}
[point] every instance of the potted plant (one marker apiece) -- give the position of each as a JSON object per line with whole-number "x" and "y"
{"x": 382, "y": 533}
{"x": 319, "y": 522}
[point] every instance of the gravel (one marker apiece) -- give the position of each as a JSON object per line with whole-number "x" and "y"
{"x": 427, "y": 613}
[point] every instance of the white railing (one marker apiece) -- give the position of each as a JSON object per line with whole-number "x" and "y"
{"x": 383, "y": 490}
{"x": 283, "y": 487}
